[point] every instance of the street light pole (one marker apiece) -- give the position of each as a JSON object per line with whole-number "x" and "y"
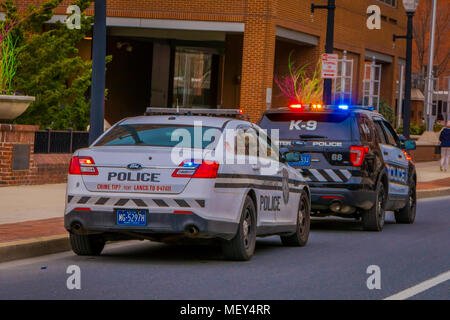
{"x": 407, "y": 108}
{"x": 429, "y": 88}
{"x": 98, "y": 71}
{"x": 410, "y": 8}
{"x": 329, "y": 45}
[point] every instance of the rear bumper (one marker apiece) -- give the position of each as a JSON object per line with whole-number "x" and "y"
{"x": 157, "y": 224}
{"x": 322, "y": 198}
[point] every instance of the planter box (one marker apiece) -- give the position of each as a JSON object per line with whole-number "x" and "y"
{"x": 13, "y": 106}
{"x": 425, "y": 153}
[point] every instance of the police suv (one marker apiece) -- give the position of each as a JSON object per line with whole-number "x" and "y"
{"x": 356, "y": 165}
{"x": 186, "y": 173}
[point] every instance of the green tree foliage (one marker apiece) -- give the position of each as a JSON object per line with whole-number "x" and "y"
{"x": 49, "y": 67}
{"x": 387, "y": 112}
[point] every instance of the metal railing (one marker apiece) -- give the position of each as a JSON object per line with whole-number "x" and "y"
{"x": 60, "y": 141}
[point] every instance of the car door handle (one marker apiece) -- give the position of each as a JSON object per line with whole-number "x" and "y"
{"x": 386, "y": 153}
{"x": 255, "y": 167}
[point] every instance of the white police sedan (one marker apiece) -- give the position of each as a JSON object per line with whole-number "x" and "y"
{"x": 185, "y": 173}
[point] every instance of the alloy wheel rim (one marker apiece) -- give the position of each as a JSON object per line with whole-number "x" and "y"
{"x": 246, "y": 226}
{"x": 301, "y": 217}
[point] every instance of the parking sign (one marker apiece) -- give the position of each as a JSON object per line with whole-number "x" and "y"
{"x": 329, "y": 66}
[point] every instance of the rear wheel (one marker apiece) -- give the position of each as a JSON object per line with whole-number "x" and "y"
{"x": 242, "y": 246}
{"x": 87, "y": 245}
{"x": 300, "y": 237}
{"x": 373, "y": 219}
{"x": 407, "y": 215}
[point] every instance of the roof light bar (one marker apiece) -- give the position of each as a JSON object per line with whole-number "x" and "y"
{"x": 228, "y": 113}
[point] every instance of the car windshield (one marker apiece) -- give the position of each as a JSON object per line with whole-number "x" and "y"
{"x": 161, "y": 135}
{"x": 309, "y": 125}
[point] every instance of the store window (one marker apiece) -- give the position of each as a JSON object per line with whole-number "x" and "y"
{"x": 195, "y": 78}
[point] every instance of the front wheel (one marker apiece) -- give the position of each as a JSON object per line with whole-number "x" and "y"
{"x": 242, "y": 246}
{"x": 407, "y": 215}
{"x": 373, "y": 219}
{"x": 301, "y": 235}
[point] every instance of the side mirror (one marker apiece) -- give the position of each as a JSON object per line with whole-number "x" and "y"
{"x": 293, "y": 156}
{"x": 410, "y": 145}
{"x": 283, "y": 152}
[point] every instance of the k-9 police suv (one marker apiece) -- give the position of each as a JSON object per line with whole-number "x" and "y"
{"x": 185, "y": 173}
{"x": 356, "y": 165}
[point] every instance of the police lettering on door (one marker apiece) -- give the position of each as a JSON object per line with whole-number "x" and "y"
{"x": 269, "y": 203}
{"x": 397, "y": 174}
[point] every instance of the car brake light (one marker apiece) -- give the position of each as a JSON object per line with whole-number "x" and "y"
{"x": 196, "y": 169}
{"x": 357, "y": 154}
{"x": 83, "y": 166}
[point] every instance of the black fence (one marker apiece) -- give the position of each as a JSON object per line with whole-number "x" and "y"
{"x": 56, "y": 141}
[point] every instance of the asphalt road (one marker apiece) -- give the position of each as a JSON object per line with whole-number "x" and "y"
{"x": 332, "y": 266}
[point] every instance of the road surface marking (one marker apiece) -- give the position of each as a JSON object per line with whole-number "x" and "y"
{"x": 421, "y": 287}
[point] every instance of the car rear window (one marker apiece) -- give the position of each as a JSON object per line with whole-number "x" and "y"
{"x": 336, "y": 126}
{"x": 161, "y": 135}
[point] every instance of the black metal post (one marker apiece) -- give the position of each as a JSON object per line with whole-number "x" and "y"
{"x": 407, "y": 106}
{"x": 329, "y": 45}
{"x": 98, "y": 71}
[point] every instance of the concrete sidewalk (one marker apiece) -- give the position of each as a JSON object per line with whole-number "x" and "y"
{"x": 31, "y": 217}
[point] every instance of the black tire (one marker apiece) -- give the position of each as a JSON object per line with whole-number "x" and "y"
{"x": 301, "y": 235}
{"x": 373, "y": 219}
{"x": 242, "y": 246}
{"x": 87, "y": 245}
{"x": 407, "y": 215}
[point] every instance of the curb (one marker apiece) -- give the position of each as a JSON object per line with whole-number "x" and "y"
{"x": 423, "y": 194}
{"x": 35, "y": 247}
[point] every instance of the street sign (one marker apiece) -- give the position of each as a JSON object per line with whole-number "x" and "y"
{"x": 329, "y": 65}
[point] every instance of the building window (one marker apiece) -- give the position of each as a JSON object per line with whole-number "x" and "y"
{"x": 195, "y": 78}
{"x": 392, "y": 3}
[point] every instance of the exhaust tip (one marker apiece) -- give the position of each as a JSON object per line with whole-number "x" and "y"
{"x": 191, "y": 231}
{"x": 77, "y": 227}
{"x": 336, "y": 206}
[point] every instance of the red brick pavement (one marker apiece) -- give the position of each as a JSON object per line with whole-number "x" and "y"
{"x": 435, "y": 184}
{"x": 31, "y": 229}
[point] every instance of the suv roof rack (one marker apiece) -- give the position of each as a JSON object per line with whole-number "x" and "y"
{"x": 228, "y": 113}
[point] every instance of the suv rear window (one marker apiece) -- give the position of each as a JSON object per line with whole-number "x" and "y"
{"x": 159, "y": 135}
{"x": 293, "y": 126}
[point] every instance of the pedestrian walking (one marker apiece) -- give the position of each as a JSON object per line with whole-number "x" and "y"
{"x": 445, "y": 146}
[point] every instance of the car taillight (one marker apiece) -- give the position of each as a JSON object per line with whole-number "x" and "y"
{"x": 407, "y": 155}
{"x": 83, "y": 166}
{"x": 193, "y": 169}
{"x": 357, "y": 154}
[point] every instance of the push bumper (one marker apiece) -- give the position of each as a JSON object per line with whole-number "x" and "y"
{"x": 322, "y": 198}
{"x": 157, "y": 224}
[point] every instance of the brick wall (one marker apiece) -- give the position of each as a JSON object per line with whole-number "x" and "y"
{"x": 48, "y": 168}
{"x": 261, "y": 17}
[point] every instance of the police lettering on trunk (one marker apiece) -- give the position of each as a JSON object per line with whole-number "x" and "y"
{"x": 133, "y": 177}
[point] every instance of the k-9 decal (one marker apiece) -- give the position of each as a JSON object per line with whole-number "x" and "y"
{"x": 397, "y": 174}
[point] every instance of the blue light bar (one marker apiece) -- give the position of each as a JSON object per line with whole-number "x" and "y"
{"x": 343, "y": 107}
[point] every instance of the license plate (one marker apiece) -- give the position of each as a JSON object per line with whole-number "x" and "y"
{"x": 131, "y": 217}
{"x": 305, "y": 161}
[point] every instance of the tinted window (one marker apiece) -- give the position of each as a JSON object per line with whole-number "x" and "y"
{"x": 158, "y": 135}
{"x": 391, "y": 135}
{"x": 380, "y": 132}
{"x": 336, "y": 126}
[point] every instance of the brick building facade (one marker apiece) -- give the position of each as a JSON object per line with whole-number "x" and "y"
{"x": 234, "y": 48}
